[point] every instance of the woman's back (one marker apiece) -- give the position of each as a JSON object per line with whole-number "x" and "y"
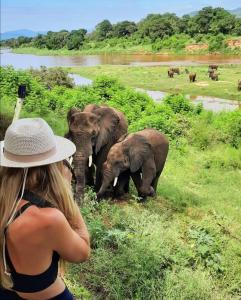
{"x": 43, "y": 230}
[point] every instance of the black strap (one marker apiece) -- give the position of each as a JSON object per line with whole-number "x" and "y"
{"x": 22, "y": 209}
{"x": 36, "y": 200}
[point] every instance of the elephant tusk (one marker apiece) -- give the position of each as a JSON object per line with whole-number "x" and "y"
{"x": 141, "y": 175}
{"x": 90, "y": 161}
{"x": 115, "y": 181}
{"x": 71, "y": 160}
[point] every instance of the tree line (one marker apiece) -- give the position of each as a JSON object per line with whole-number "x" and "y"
{"x": 208, "y": 21}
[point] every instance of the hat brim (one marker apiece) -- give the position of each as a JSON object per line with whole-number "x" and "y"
{"x": 64, "y": 148}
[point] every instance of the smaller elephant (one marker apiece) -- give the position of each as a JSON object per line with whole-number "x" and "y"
{"x": 239, "y": 85}
{"x": 143, "y": 154}
{"x": 175, "y": 70}
{"x": 213, "y": 67}
{"x": 170, "y": 73}
{"x": 214, "y": 76}
{"x": 192, "y": 77}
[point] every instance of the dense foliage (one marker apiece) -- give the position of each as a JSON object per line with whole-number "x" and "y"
{"x": 185, "y": 243}
{"x": 157, "y": 29}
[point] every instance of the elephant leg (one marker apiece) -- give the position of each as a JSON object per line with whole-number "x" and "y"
{"x": 146, "y": 187}
{"x": 90, "y": 171}
{"x": 136, "y": 177}
{"x": 155, "y": 181}
{"x": 123, "y": 184}
{"x": 148, "y": 175}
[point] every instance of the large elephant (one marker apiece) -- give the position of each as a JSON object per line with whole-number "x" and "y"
{"x": 143, "y": 154}
{"x": 93, "y": 130}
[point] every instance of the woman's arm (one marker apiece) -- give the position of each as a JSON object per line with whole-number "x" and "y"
{"x": 72, "y": 245}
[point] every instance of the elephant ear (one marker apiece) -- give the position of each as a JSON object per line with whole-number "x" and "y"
{"x": 71, "y": 112}
{"x": 108, "y": 122}
{"x": 138, "y": 150}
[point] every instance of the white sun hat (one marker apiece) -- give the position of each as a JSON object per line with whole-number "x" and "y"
{"x": 31, "y": 142}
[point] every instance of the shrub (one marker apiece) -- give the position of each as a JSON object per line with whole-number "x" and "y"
{"x": 179, "y": 103}
{"x": 51, "y": 77}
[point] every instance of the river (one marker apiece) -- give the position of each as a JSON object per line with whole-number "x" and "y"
{"x": 25, "y": 61}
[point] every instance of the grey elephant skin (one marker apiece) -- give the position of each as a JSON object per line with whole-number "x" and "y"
{"x": 93, "y": 130}
{"x": 143, "y": 154}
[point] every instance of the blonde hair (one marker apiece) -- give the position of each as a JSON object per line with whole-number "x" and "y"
{"x": 47, "y": 182}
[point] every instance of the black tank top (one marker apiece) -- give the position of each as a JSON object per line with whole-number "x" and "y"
{"x": 33, "y": 283}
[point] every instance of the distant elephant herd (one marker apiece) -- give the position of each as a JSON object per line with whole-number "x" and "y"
{"x": 212, "y": 73}
{"x": 107, "y": 156}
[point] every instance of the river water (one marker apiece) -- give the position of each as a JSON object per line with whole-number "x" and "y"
{"x": 25, "y": 61}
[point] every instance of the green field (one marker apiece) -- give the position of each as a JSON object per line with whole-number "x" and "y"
{"x": 186, "y": 242}
{"x": 155, "y": 78}
{"x": 138, "y": 49}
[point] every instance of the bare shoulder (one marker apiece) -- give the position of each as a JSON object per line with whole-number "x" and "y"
{"x": 48, "y": 217}
{"x": 40, "y": 219}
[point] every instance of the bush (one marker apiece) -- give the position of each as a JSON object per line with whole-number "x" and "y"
{"x": 51, "y": 77}
{"x": 216, "y": 42}
{"x": 179, "y": 103}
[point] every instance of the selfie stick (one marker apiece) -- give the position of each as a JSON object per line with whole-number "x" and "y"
{"x": 19, "y": 104}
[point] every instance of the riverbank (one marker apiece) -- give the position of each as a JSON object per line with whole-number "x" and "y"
{"x": 156, "y": 79}
{"x": 120, "y": 49}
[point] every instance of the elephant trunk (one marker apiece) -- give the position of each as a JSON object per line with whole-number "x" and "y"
{"x": 83, "y": 153}
{"x": 108, "y": 177}
{"x": 79, "y": 162}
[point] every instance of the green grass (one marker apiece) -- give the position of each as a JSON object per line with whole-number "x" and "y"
{"x": 120, "y": 48}
{"x": 155, "y": 78}
{"x": 184, "y": 244}
{"x": 138, "y": 49}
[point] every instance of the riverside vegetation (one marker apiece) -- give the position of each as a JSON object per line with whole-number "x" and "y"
{"x": 186, "y": 242}
{"x": 211, "y": 27}
{"x": 156, "y": 78}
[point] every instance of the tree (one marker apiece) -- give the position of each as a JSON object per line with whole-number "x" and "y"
{"x": 237, "y": 28}
{"x": 125, "y": 28}
{"x": 40, "y": 41}
{"x": 214, "y": 20}
{"x": 222, "y": 21}
{"x": 157, "y": 26}
{"x": 76, "y": 39}
{"x": 56, "y": 40}
{"x": 103, "y": 30}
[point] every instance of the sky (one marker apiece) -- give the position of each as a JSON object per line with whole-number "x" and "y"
{"x": 44, "y": 15}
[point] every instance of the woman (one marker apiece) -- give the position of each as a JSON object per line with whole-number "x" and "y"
{"x": 39, "y": 221}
